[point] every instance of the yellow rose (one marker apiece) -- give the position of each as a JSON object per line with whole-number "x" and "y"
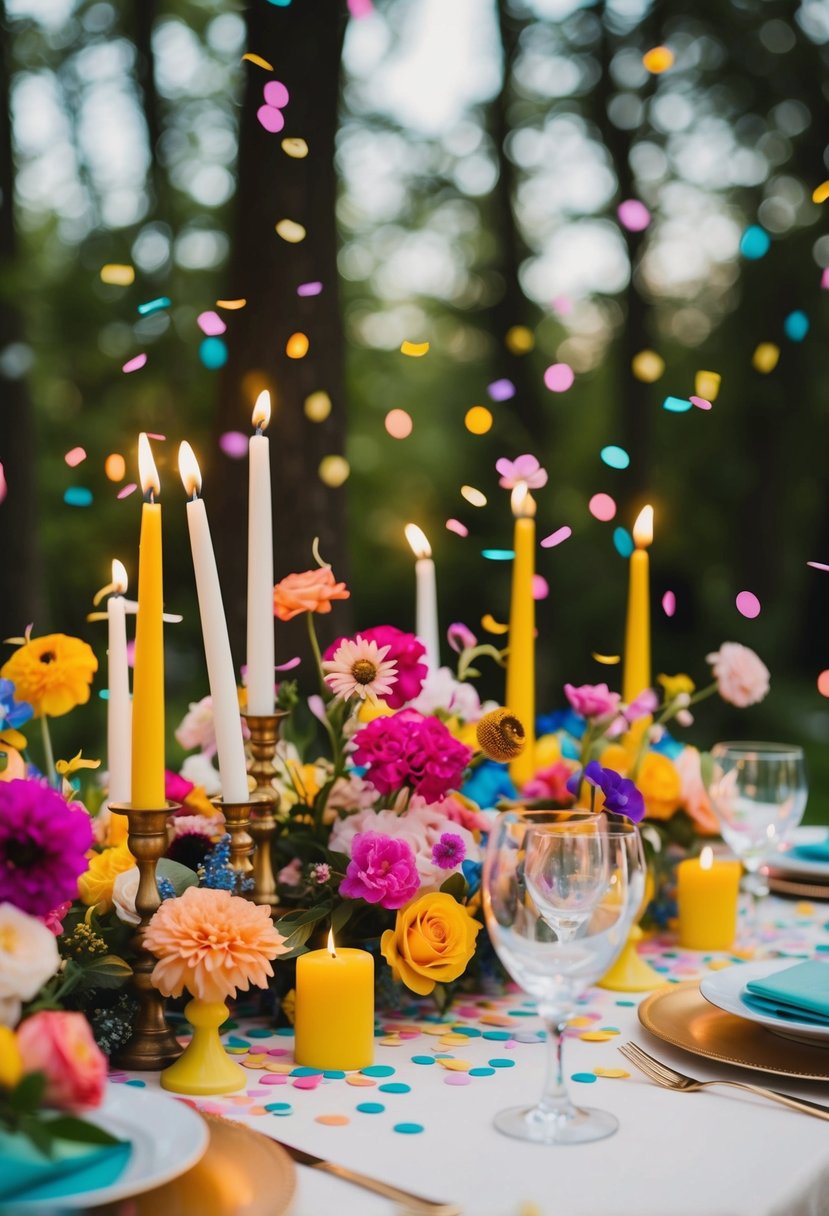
{"x": 95, "y": 886}
{"x": 368, "y": 712}
{"x": 547, "y": 751}
{"x": 674, "y": 686}
{"x": 432, "y": 941}
{"x": 660, "y": 785}
{"x": 617, "y": 757}
{"x": 52, "y": 673}
{"x": 11, "y": 1064}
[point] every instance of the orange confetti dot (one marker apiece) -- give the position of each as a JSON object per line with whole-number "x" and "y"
{"x": 258, "y": 60}
{"x": 360, "y": 1081}
{"x": 398, "y": 424}
{"x": 115, "y": 466}
{"x": 489, "y": 623}
{"x": 520, "y": 340}
{"x": 478, "y": 420}
{"x": 414, "y": 349}
{"x": 332, "y": 1120}
{"x": 297, "y": 346}
{"x": 707, "y": 385}
{"x": 232, "y": 305}
{"x": 607, "y": 659}
{"x": 658, "y": 59}
{"x": 821, "y": 193}
{"x": 823, "y": 683}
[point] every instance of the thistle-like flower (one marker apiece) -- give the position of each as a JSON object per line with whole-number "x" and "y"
{"x": 501, "y": 735}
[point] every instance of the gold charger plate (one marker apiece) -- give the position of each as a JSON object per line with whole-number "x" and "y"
{"x": 680, "y": 1015}
{"x": 798, "y": 887}
{"x": 242, "y": 1173}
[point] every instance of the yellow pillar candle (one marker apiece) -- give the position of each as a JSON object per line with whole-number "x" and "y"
{"x": 636, "y": 672}
{"x": 334, "y": 1017}
{"x": 707, "y": 895}
{"x": 520, "y": 691}
{"x": 148, "y": 676}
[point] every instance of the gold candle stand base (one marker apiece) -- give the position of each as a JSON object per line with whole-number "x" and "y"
{"x": 153, "y": 1045}
{"x": 237, "y": 822}
{"x": 264, "y": 735}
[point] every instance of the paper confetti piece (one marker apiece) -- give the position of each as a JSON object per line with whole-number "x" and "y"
{"x": 820, "y": 193}
{"x": 231, "y": 305}
{"x": 676, "y": 405}
{"x": 602, "y": 507}
{"x": 540, "y": 587}
{"x": 489, "y": 623}
{"x": 765, "y": 357}
{"x": 501, "y": 390}
{"x": 475, "y": 498}
{"x": 609, "y": 660}
{"x": 796, "y": 326}
{"x": 234, "y": 444}
{"x": 586, "y": 1078}
{"x": 755, "y": 243}
{"x": 289, "y": 666}
{"x": 818, "y": 565}
{"x": 296, "y": 148}
{"x": 276, "y": 94}
{"x": 334, "y": 471}
{"x": 555, "y": 538}
{"x": 156, "y": 305}
{"x": 414, "y": 349}
{"x": 211, "y": 323}
{"x": 135, "y": 364}
{"x": 309, "y": 289}
{"x": 370, "y": 1108}
{"x": 611, "y": 1073}
{"x": 707, "y": 384}
{"x": 478, "y": 420}
{"x": 4, "y": 487}
{"x": 633, "y": 215}
{"x": 399, "y": 424}
{"x": 271, "y": 119}
{"x": 623, "y": 542}
{"x": 519, "y": 340}
{"x": 456, "y": 1065}
{"x": 823, "y": 683}
{"x": 115, "y": 466}
{"x": 126, "y": 490}
{"x": 213, "y": 353}
{"x": 360, "y": 8}
{"x": 700, "y": 402}
{"x": 153, "y": 435}
{"x": 615, "y": 457}
{"x": 669, "y": 603}
{"x": 824, "y": 279}
{"x": 559, "y": 377}
{"x": 457, "y": 1078}
{"x": 455, "y": 525}
{"x": 395, "y": 1087}
{"x": 647, "y": 366}
{"x": 332, "y": 1120}
{"x": 257, "y": 60}
{"x": 77, "y": 496}
{"x": 658, "y": 60}
{"x": 748, "y": 604}
{"x": 75, "y": 456}
{"x": 408, "y": 1129}
{"x": 290, "y": 231}
{"x": 297, "y": 346}
{"x": 498, "y": 555}
{"x": 117, "y": 275}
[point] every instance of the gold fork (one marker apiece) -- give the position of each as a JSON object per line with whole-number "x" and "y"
{"x": 669, "y": 1078}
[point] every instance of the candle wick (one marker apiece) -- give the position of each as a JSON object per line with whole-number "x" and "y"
{"x": 194, "y": 496}
{"x": 260, "y": 430}
{"x": 150, "y": 495}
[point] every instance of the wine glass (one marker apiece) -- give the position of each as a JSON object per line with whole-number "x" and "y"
{"x": 758, "y": 792}
{"x": 560, "y": 892}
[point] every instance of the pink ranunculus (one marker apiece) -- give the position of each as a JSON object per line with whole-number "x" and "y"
{"x": 742, "y": 677}
{"x": 459, "y": 810}
{"x": 420, "y": 826}
{"x": 382, "y": 871}
{"x": 693, "y": 793}
{"x": 406, "y": 650}
{"x": 592, "y": 700}
{"x": 61, "y": 1046}
{"x": 551, "y": 784}
{"x": 524, "y": 468}
{"x": 646, "y": 703}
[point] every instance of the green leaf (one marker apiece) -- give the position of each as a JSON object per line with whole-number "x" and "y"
{"x": 340, "y": 917}
{"x": 180, "y": 876}
{"x": 67, "y": 1127}
{"x": 305, "y": 916}
{"x": 110, "y": 971}
{"x": 37, "y": 1131}
{"x": 27, "y": 1095}
{"x": 455, "y": 886}
{"x": 295, "y": 943}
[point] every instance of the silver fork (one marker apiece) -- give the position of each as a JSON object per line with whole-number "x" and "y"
{"x": 669, "y": 1078}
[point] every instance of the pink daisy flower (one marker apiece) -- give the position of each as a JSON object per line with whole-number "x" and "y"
{"x": 360, "y": 667}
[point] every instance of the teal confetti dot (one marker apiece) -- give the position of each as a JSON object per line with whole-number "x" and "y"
{"x": 498, "y": 555}
{"x": 103, "y": 693}
{"x": 304, "y": 1071}
{"x": 370, "y": 1108}
{"x": 333, "y": 1074}
{"x": 796, "y": 326}
{"x": 395, "y": 1087}
{"x": 262, "y": 1032}
{"x": 471, "y": 1032}
{"x": 408, "y": 1129}
{"x": 610, "y": 1029}
{"x": 676, "y": 405}
{"x": 286, "y": 1032}
{"x": 423, "y": 1059}
{"x": 78, "y": 496}
{"x": 497, "y": 1036}
{"x": 280, "y": 1108}
{"x": 280, "y": 3}
{"x": 755, "y": 242}
{"x": 627, "y": 1004}
{"x": 156, "y": 305}
{"x": 136, "y": 1084}
{"x": 378, "y": 1070}
{"x": 587, "y": 1078}
{"x": 522, "y": 1013}
{"x": 444, "y": 1055}
{"x": 213, "y": 353}
{"x": 615, "y": 457}
{"x": 822, "y": 949}
{"x": 482, "y": 1072}
{"x": 231, "y": 1042}
{"x": 500, "y": 1062}
{"x": 623, "y": 542}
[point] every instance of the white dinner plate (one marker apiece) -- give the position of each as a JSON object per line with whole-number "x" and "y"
{"x": 782, "y": 862}
{"x": 725, "y": 990}
{"x": 167, "y": 1138}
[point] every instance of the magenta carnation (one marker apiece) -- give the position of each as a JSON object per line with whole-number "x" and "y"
{"x": 43, "y": 845}
{"x": 449, "y": 852}
{"x": 382, "y": 871}
{"x": 407, "y": 749}
{"x": 404, "y": 649}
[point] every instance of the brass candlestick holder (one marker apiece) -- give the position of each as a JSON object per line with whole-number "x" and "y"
{"x": 153, "y": 1045}
{"x": 264, "y": 735}
{"x": 237, "y": 822}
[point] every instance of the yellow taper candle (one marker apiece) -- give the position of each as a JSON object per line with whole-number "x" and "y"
{"x": 520, "y": 691}
{"x": 334, "y": 1016}
{"x": 707, "y": 895}
{"x": 148, "y": 675}
{"x": 636, "y": 673}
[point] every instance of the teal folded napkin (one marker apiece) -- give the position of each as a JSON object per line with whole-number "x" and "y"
{"x": 799, "y": 993}
{"x": 28, "y": 1174}
{"x": 819, "y": 851}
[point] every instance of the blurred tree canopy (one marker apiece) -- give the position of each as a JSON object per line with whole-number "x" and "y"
{"x": 466, "y": 164}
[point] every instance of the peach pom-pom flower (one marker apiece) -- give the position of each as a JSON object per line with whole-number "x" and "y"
{"x": 212, "y": 943}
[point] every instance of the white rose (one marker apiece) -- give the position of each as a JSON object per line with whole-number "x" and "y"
{"x": 124, "y": 891}
{"x": 200, "y": 771}
{"x": 10, "y": 1008}
{"x": 28, "y": 958}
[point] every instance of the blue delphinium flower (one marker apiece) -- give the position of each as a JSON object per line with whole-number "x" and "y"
{"x": 12, "y": 713}
{"x": 488, "y": 783}
{"x": 217, "y": 872}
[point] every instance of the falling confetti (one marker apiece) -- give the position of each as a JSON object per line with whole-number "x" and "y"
{"x": 126, "y": 490}
{"x": 156, "y": 305}
{"x": 257, "y": 60}
{"x": 765, "y": 357}
{"x": 700, "y": 403}
{"x": 556, "y": 538}
{"x": 272, "y": 120}
{"x": 115, "y": 466}
{"x": 334, "y": 470}
{"x": 824, "y": 279}
{"x": 297, "y": 346}
{"x": 707, "y": 385}
{"x": 755, "y": 243}
{"x": 290, "y": 231}
{"x": 213, "y": 353}
{"x": 475, "y": 498}
{"x": 540, "y": 587}
{"x": 748, "y": 604}
{"x": 607, "y": 659}
{"x": 117, "y": 275}
{"x": 562, "y": 305}
{"x": 296, "y": 148}
{"x": 647, "y": 366}
{"x": 818, "y": 565}
{"x": 658, "y": 59}
{"x": 623, "y": 542}
{"x": 78, "y": 496}
{"x": 559, "y": 377}
{"x": 276, "y": 94}
{"x": 231, "y": 305}
{"x": 234, "y": 444}
{"x": 455, "y": 525}
{"x": 211, "y": 323}
{"x": 821, "y": 193}
{"x": 414, "y": 349}
{"x": 289, "y": 665}
{"x": 823, "y": 683}
{"x": 75, "y": 456}
{"x": 489, "y": 623}
{"x": 309, "y": 289}
{"x": 676, "y": 405}
{"x": 615, "y": 457}
{"x": 399, "y": 424}
{"x": 478, "y": 420}
{"x": 4, "y": 488}
{"x": 501, "y": 390}
{"x": 603, "y": 507}
{"x": 633, "y": 215}
{"x": 317, "y": 406}
{"x": 498, "y": 555}
{"x": 519, "y": 340}
{"x": 360, "y": 8}
{"x": 669, "y": 603}
{"x": 796, "y": 326}
{"x": 135, "y": 364}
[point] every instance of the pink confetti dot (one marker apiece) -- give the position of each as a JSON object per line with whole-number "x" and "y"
{"x": 455, "y": 525}
{"x": 211, "y": 323}
{"x": 562, "y": 305}
{"x": 541, "y": 588}
{"x": 270, "y": 118}
{"x": 748, "y": 604}
{"x": 559, "y": 377}
{"x": 457, "y": 1078}
{"x": 273, "y": 1078}
{"x": 153, "y": 435}
{"x": 399, "y": 424}
{"x": 276, "y": 94}
{"x": 4, "y": 487}
{"x": 669, "y": 603}
{"x": 360, "y": 8}
{"x": 290, "y": 665}
{"x": 135, "y": 364}
{"x": 603, "y": 507}
{"x": 818, "y": 565}
{"x": 126, "y": 490}
{"x": 234, "y": 444}
{"x": 823, "y": 683}
{"x": 501, "y": 390}
{"x": 75, "y": 457}
{"x": 824, "y": 279}
{"x": 633, "y": 215}
{"x": 555, "y": 538}
{"x": 700, "y": 403}
{"x": 309, "y": 289}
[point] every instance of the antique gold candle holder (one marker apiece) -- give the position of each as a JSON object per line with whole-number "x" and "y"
{"x": 153, "y": 1045}
{"x": 264, "y": 735}
{"x": 237, "y": 822}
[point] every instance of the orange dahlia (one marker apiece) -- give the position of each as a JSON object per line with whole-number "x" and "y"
{"x": 52, "y": 673}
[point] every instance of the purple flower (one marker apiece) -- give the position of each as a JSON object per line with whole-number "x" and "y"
{"x": 449, "y": 852}
{"x": 621, "y": 796}
{"x": 409, "y": 749}
{"x": 592, "y": 700}
{"x": 406, "y": 651}
{"x": 43, "y": 842}
{"x": 382, "y": 871}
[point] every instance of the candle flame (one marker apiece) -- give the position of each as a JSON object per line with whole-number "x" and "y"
{"x": 706, "y": 858}
{"x": 331, "y": 949}
{"x": 522, "y": 501}
{"x": 120, "y": 582}
{"x": 643, "y": 528}
{"x": 417, "y": 539}
{"x": 262, "y": 410}
{"x": 147, "y": 472}
{"x": 189, "y": 469}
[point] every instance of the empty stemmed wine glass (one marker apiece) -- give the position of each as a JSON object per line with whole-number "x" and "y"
{"x": 758, "y": 792}
{"x": 560, "y": 891}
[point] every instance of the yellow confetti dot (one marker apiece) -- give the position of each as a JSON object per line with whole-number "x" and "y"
{"x": 475, "y": 498}
{"x": 720, "y": 964}
{"x": 115, "y": 466}
{"x": 658, "y": 59}
{"x": 456, "y": 1065}
{"x": 804, "y": 909}
{"x": 232, "y": 305}
{"x": 334, "y": 470}
{"x": 399, "y": 424}
{"x": 489, "y": 623}
{"x": 390, "y": 1042}
{"x": 478, "y": 420}
{"x": 449, "y": 1040}
{"x": 520, "y": 340}
{"x": 575, "y": 1023}
{"x": 117, "y": 275}
{"x": 607, "y": 659}
{"x": 414, "y": 349}
{"x": 595, "y": 1036}
{"x": 435, "y": 1031}
{"x": 297, "y": 148}
{"x": 237, "y": 1051}
{"x": 647, "y": 366}
{"x": 275, "y": 1066}
{"x": 496, "y": 1019}
{"x": 528, "y": 1208}
{"x": 610, "y": 1072}
{"x": 821, "y": 193}
{"x": 707, "y": 385}
{"x": 359, "y": 1080}
{"x": 765, "y": 357}
{"x": 332, "y": 1120}
{"x": 297, "y": 346}
{"x": 290, "y": 231}
{"x": 258, "y": 60}
{"x": 317, "y": 406}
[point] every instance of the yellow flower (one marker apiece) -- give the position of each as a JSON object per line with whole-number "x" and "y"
{"x": 547, "y": 751}
{"x": 616, "y": 757}
{"x": 660, "y": 785}
{"x": 67, "y": 767}
{"x": 368, "y": 712}
{"x": 674, "y": 686}
{"x": 501, "y": 735}
{"x": 52, "y": 673}
{"x": 432, "y": 941}
{"x": 95, "y": 886}
{"x": 11, "y": 1063}
{"x": 12, "y": 764}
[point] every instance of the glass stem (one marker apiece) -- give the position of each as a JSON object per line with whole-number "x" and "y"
{"x": 756, "y": 887}
{"x": 555, "y": 1099}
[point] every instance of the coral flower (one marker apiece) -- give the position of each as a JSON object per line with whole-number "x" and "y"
{"x": 311, "y": 591}
{"x": 212, "y": 943}
{"x": 360, "y": 667}
{"x": 52, "y": 673}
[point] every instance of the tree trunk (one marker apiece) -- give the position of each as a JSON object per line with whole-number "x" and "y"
{"x": 143, "y": 14}
{"x": 304, "y": 44}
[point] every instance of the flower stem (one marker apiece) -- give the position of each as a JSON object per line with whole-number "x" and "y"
{"x": 315, "y": 647}
{"x": 51, "y": 772}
